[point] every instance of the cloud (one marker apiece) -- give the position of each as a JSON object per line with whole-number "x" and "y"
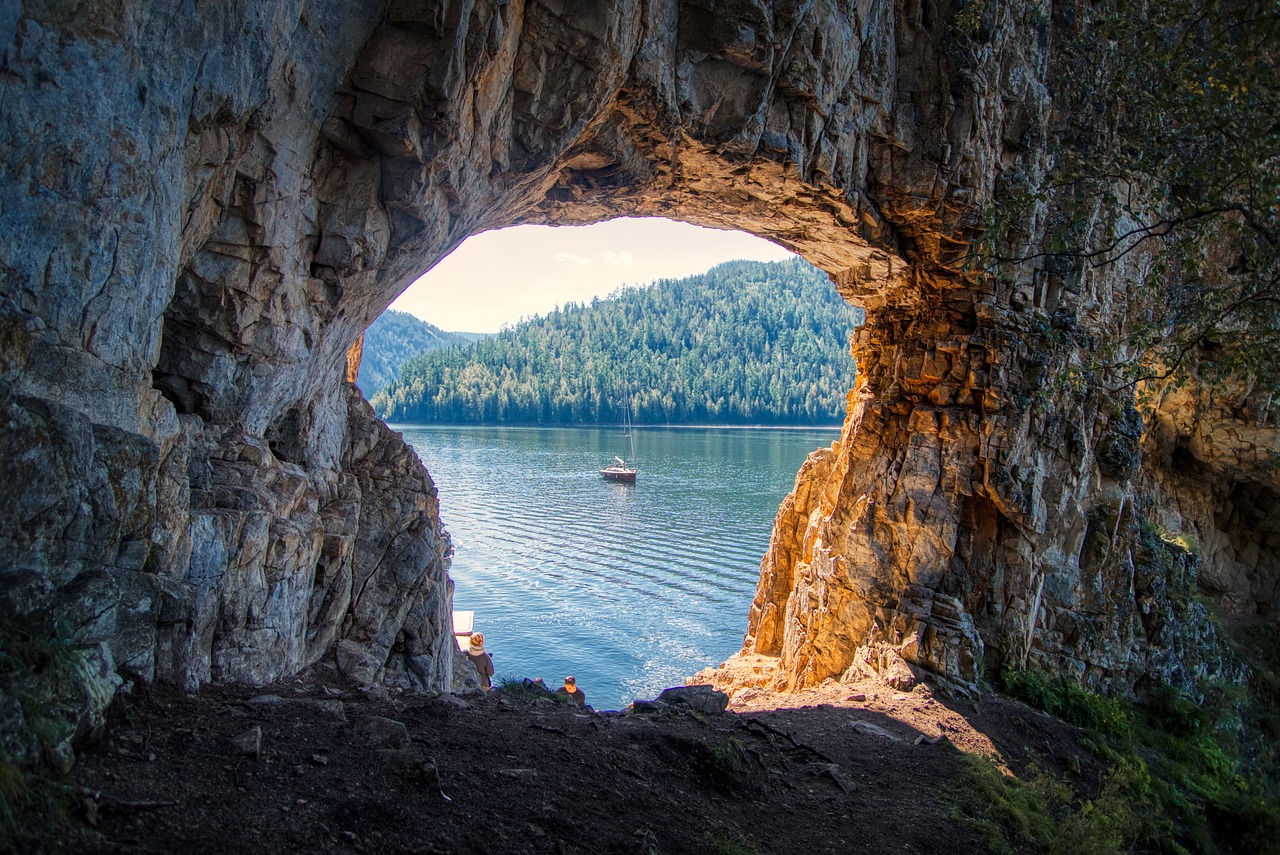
{"x": 609, "y": 258}
{"x": 572, "y": 257}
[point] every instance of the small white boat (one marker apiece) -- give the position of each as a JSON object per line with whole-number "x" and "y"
{"x": 619, "y": 471}
{"x": 463, "y": 625}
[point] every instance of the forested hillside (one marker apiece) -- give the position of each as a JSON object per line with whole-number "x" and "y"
{"x": 744, "y": 343}
{"x": 393, "y": 338}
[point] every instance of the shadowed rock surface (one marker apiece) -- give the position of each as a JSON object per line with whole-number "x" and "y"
{"x": 519, "y": 771}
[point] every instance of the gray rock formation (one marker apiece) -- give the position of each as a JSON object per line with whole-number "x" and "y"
{"x": 204, "y": 206}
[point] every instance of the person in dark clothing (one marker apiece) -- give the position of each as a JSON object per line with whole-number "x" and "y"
{"x": 483, "y": 661}
{"x": 571, "y": 689}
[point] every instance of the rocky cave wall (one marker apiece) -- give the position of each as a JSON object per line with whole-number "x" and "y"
{"x": 984, "y": 506}
{"x": 206, "y": 204}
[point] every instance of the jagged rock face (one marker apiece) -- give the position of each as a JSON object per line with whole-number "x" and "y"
{"x": 207, "y": 207}
{"x": 1216, "y": 460}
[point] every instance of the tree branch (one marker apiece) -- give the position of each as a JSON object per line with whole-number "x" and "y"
{"x": 1205, "y": 331}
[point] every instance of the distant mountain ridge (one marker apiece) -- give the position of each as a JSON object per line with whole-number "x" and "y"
{"x": 394, "y": 338}
{"x": 745, "y": 343}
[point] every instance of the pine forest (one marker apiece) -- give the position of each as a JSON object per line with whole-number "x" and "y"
{"x": 392, "y": 339}
{"x": 744, "y": 343}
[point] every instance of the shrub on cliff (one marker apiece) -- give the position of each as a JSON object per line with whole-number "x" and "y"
{"x": 1183, "y": 776}
{"x": 1166, "y": 178}
{"x": 38, "y": 667}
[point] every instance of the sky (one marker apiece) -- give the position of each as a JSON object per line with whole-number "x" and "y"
{"x": 502, "y": 276}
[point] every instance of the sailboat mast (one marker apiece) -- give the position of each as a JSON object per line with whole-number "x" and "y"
{"x": 621, "y": 471}
{"x": 631, "y": 435}
{"x": 626, "y": 420}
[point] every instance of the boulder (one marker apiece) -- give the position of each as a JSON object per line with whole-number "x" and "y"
{"x": 703, "y": 698}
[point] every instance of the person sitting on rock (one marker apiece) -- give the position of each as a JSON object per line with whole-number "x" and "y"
{"x": 483, "y": 661}
{"x": 571, "y": 689}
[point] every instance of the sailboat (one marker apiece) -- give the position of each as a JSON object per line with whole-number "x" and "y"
{"x": 619, "y": 470}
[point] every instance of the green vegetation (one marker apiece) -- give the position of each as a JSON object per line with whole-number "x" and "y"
{"x": 1183, "y": 777}
{"x": 1069, "y": 702}
{"x": 723, "y": 762}
{"x": 37, "y": 664}
{"x": 728, "y": 758}
{"x": 30, "y": 807}
{"x": 394, "y": 338}
{"x": 524, "y": 689}
{"x": 745, "y": 343}
{"x": 1165, "y": 177}
{"x": 727, "y": 843}
{"x": 1042, "y": 814}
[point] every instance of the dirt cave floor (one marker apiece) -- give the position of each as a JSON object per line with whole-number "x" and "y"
{"x": 314, "y": 764}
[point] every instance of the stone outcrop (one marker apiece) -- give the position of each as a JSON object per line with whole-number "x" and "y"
{"x": 987, "y": 507}
{"x": 205, "y": 207}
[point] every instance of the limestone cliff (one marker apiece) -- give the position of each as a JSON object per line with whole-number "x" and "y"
{"x": 205, "y": 205}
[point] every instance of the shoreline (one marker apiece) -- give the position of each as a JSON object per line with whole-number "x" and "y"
{"x": 399, "y": 426}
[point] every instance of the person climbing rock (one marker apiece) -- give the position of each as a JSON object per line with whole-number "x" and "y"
{"x": 571, "y": 689}
{"x": 483, "y": 661}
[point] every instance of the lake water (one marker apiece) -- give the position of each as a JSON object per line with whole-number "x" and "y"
{"x": 631, "y": 588}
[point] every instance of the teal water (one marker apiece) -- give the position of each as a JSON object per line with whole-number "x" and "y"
{"x": 631, "y": 588}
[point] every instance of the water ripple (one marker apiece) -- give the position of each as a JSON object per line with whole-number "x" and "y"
{"x": 630, "y": 588}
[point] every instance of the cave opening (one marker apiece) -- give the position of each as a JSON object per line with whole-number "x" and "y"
{"x": 258, "y": 336}
{"x": 302, "y": 223}
{"x": 659, "y": 575}
{"x": 210, "y": 208}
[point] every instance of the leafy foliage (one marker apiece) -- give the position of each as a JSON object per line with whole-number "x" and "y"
{"x": 391, "y": 340}
{"x": 727, "y": 843}
{"x": 745, "y": 343}
{"x": 1067, "y": 701}
{"x": 36, "y": 659}
{"x": 38, "y": 667}
{"x": 1043, "y": 812}
{"x": 1167, "y": 174}
{"x": 1181, "y": 777}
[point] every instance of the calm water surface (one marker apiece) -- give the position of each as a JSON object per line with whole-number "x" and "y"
{"x": 631, "y": 588}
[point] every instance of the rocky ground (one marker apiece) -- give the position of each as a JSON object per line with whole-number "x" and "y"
{"x": 318, "y": 765}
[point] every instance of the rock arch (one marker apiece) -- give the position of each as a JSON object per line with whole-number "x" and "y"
{"x": 209, "y": 207}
